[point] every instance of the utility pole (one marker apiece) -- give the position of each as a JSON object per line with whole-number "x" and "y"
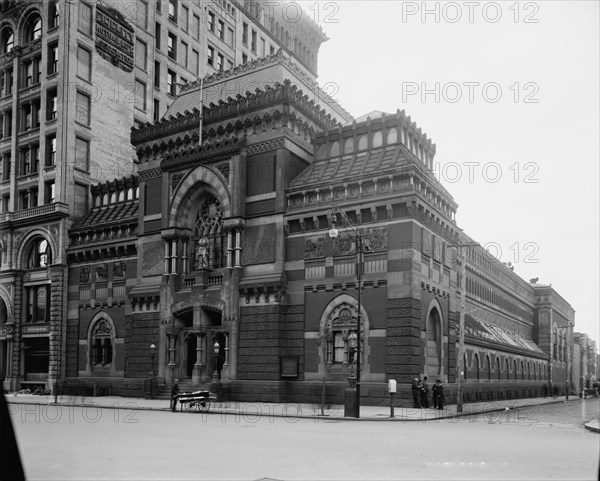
{"x": 460, "y": 365}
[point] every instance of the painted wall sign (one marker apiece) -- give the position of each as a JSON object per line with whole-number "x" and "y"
{"x": 114, "y": 38}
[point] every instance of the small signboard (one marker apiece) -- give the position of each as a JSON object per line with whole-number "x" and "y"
{"x": 114, "y": 38}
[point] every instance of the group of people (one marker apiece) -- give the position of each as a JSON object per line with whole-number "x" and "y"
{"x": 420, "y": 392}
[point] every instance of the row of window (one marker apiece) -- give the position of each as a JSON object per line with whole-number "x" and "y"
{"x": 28, "y": 198}
{"x": 529, "y": 371}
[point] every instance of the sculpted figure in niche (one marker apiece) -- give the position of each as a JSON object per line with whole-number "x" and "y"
{"x": 202, "y": 253}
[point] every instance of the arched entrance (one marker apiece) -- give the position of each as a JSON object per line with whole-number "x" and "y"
{"x": 433, "y": 343}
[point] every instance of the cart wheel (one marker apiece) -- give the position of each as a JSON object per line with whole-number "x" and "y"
{"x": 204, "y": 406}
{"x": 190, "y": 406}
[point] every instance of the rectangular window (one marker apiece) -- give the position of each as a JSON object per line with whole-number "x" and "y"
{"x": 84, "y": 63}
{"x": 263, "y": 47}
{"x": 171, "y": 82}
{"x": 195, "y": 27}
{"x": 220, "y": 59}
{"x": 140, "y": 95}
{"x": 245, "y": 33}
{"x": 184, "y": 54}
{"x": 185, "y": 18}
{"x": 82, "y": 154}
{"x": 142, "y": 14}
{"x": 7, "y": 123}
{"x": 49, "y": 193}
{"x": 52, "y": 104}
{"x": 82, "y": 109}
{"x": 6, "y": 166}
{"x": 50, "y": 150}
{"x": 271, "y": 50}
{"x": 253, "y": 44}
{"x": 26, "y": 116}
{"x": 172, "y": 46}
{"x": 244, "y": 59}
{"x": 85, "y": 19}
{"x": 156, "y": 74}
{"x": 221, "y": 29}
{"x": 31, "y": 71}
{"x": 53, "y": 14}
{"x": 229, "y": 37}
{"x": 5, "y": 202}
{"x": 211, "y": 56}
{"x": 211, "y": 21}
{"x": 24, "y": 199}
{"x": 141, "y": 54}
{"x": 156, "y": 111}
{"x": 37, "y": 300}
{"x": 52, "y": 59}
{"x": 157, "y": 36}
{"x": 159, "y": 5}
{"x": 173, "y": 10}
{"x": 195, "y": 64}
{"x": 25, "y": 167}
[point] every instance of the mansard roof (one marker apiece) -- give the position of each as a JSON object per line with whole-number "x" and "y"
{"x": 280, "y": 93}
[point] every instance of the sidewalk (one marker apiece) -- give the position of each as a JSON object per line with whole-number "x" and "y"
{"x": 252, "y": 410}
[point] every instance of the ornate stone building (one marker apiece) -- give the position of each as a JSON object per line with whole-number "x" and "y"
{"x": 214, "y": 262}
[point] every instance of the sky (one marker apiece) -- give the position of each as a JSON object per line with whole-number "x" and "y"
{"x": 509, "y": 93}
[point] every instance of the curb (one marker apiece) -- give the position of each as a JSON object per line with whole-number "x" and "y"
{"x": 593, "y": 426}
{"x": 379, "y": 418}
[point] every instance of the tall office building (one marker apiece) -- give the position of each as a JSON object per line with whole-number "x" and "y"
{"x": 75, "y": 77}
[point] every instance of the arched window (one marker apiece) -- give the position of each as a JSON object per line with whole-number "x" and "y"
{"x": 498, "y": 369}
{"x": 334, "y": 149}
{"x": 33, "y": 28}
{"x": 392, "y": 136}
{"x": 3, "y": 312}
{"x": 515, "y": 369}
{"x": 101, "y": 352}
{"x": 522, "y": 371}
{"x": 488, "y": 368}
{"x": 476, "y": 362}
{"x": 433, "y": 348}
{"x": 349, "y": 145}
{"x": 210, "y": 240}
{"x": 7, "y": 40}
{"x": 40, "y": 254}
{"x": 507, "y": 369}
{"x": 465, "y": 367}
{"x": 377, "y": 139}
{"x": 363, "y": 142}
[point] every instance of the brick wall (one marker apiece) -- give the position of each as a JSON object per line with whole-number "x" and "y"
{"x": 141, "y": 330}
{"x": 402, "y": 351}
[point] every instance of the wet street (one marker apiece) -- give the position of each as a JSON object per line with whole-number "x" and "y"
{"x": 545, "y": 442}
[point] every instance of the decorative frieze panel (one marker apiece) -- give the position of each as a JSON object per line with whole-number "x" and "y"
{"x": 150, "y": 174}
{"x": 314, "y": 247}
{"x": 265, "y": 147}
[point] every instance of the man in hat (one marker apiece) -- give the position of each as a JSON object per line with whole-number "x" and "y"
{"x": 438, "y": 391}
{"x": 174, "y": 393}
{"x": 416, "y": 392}
{"x": 425, "y": 393}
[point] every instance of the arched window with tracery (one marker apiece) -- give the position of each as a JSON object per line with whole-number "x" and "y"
{"x": 341, "y": 323}
{"x": 210, "y": 241}
{"x": 433, "y": 347}
{"x": 101, "y": 342}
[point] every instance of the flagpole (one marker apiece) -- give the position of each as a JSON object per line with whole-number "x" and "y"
{"x": 201, "y": 108}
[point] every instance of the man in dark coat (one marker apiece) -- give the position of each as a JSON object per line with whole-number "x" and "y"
{"x": 434, "y": 395}
{"x": 425, "y": 393}
{"x": 416, "y": 392}
{"x": 174, "y": 393}
{"x": 438, "y": 390}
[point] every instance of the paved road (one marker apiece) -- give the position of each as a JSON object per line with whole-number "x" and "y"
{"x": 62, "y": 442}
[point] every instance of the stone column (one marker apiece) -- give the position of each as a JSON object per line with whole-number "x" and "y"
{"x": 198, "y": 366}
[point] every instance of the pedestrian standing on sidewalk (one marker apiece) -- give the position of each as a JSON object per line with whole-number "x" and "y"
{"x": 434, "y": 395}
{"x": 416, "y": 392}
{"x": 424, "y": 393}
{"x": 439, "y": 394}
{"x": 174, "y": 393}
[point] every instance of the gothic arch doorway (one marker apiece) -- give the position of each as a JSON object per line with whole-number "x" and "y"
{"x": 433, "y": 342}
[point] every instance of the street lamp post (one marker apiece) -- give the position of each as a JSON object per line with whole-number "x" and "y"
{"x": 216, "y": 348}
{"x": 151, "y": 373}
{"x": 333, "y": 233}
{"x": 460, "y": 365}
